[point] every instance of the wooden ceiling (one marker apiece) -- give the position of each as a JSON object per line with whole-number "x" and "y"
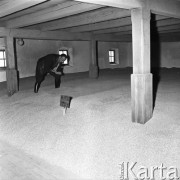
{"x": 76, "y": 16}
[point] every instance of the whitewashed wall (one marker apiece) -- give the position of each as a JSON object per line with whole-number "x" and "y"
{"x": 124, "y": 51}
{"x": 28, "y": 54}
{"x": 32, "y": 50}
{"x": 170, "y": 54}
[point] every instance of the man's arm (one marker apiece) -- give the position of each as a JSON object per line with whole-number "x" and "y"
{"x": 56, "y": 72}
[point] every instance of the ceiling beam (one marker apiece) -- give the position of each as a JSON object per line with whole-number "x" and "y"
{"x": 157, "y": 17}
{"x": 165, "y": 7}
{"x": 95, "y": 16}
{"x": 33, "y": 34}
{"x": 101, "y": 25}
{"x": 113, "y": 38}
{"x": 125, "y": 4}
{"x": 58, "y": 11}
{"x": 36, "y": 34}
{"x": 128, "y": 32}
{"x": 170, "y": 31}
{"x": 98, "y": 19}
{"x": 161, "y": 24}
{"x": 170, "y": 21}
{"x": 167, "y": 28}
{"x": 10, "y": 7}
{"x": 57, "y": 35}
{"x": 114, "y": 30}
{"x": 164, "y": 29}
{"x": 33, "y": 9}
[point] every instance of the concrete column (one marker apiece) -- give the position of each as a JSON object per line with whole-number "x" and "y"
{"x": 141, "y": 79}
{"x": 11, "y": 72}
{"x": 93, "y": 66}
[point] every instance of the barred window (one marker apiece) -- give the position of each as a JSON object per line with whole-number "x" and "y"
{"x": 2, "y": 58}
{"x": 112, "y": 56}
{"x": 64, "y": 52}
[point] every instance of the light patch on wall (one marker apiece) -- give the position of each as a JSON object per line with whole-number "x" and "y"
{"x": 62, "y": 51}
{"x": 70, "y": 54}
{"x": 2, "y": 54}
{"x": 114, "y": 56}
{"x": 2, "y": 58}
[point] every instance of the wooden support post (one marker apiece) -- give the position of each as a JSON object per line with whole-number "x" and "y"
{"x": 93, "y": 66}
{"x": 11, "y": 72}
{"x": 12, "y": 81}
{"x": 141, "y": 79}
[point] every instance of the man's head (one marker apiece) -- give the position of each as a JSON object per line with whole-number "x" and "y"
{"x": 62, "y": 58}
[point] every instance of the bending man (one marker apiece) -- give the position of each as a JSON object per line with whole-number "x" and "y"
{"x": 52, "y": 64}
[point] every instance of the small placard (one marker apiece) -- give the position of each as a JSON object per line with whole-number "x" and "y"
{"x": 65, "y": 101}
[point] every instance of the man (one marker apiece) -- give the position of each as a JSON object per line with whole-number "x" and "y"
{"x": 52, "y": 64}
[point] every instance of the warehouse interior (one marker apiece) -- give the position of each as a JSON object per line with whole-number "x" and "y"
{"x": 124, "y": 107}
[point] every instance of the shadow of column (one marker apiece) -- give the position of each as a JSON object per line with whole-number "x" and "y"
{"x": 97, "y": 57}
{"x": 16, "y": 63}
{"x": 155, "y": 58}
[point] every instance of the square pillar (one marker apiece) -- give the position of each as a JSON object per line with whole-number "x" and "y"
{"x": 12, "y": 81}
{"x": 93, "y": 65}
{"x": 11, "y": 72}
{"x": 93, "y": 71}
{"x": 141, "y": 94}
{"x": 141, "y": 79}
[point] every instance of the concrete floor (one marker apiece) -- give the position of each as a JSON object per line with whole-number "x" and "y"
{"x": 96, "y": 134}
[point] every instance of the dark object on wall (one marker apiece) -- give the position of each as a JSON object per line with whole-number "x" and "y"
{"x": 20, "y": 42}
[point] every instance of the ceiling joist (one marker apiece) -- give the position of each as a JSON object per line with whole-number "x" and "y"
{"x": 125, "y": 4}
{"x": 168, "y": 22}
{"x": 57, "y": 35}
{"x": 101, "y": 25}
{"x": 58, "y": 11}
{"x": 18, "y": 5}
{"x": 36, "y": 34}
{"x": 116, "y": 25}
{"x": 163, "y": 7}
{"x": 95, "y": 16}
{"x": 108, "y": 17}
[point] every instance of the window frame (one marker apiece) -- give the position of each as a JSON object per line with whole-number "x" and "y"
{"x": 116, "y": 57}
{"x": 3, "y": 59}
{"x": 66, "y": 63}
{"x": 113, "y": 61}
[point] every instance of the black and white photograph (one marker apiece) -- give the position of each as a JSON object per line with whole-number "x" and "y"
{"x": 90, "y": 90}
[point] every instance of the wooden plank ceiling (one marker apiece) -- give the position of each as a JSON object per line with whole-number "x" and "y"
{"x": 76, "y": 16}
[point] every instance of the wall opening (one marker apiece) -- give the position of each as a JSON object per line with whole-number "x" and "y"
{"x": 66, "y": 62}
{"x": 2, "y": 58}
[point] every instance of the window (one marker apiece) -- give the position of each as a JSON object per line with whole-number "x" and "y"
{"x": 112, "y": 56}
{"x": 2, "y": 58}
{"x": 64, "y": 52}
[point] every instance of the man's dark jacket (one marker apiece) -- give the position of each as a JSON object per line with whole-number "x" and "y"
{"x": 47, "y": 63}
{"x": 44, "y": 66}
